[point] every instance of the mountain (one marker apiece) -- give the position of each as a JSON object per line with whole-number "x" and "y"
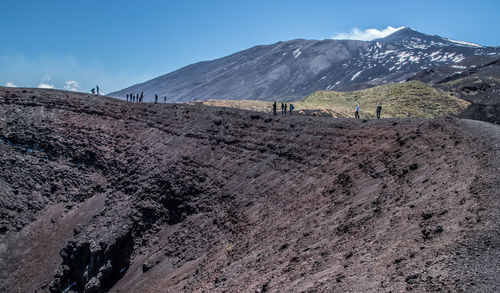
{"x": 294, "y": 69}
{"x": 100, "y": 195}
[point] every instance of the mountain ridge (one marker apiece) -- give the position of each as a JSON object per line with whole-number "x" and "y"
{"x": 293, "y": 69}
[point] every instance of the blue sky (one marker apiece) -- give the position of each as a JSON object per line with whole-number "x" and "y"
{"x": 78, "y": 44}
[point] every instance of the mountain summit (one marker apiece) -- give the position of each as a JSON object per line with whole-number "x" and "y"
{"x": 404, "y": 32}
{"x": 294, "y": 69}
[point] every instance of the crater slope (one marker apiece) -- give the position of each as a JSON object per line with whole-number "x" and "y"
{"x": 98, "y": 194}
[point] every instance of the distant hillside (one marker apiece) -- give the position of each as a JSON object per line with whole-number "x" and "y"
{"x": 476, "y": 79}
{"x": 408, "y": 99}
{"x": 294, "y": 69}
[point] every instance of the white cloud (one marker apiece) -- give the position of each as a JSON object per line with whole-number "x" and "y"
{"x": 29, "y": 69}
{"x": 367, "y": 34}
{"x": 45, "y": 86}
{"x": 72, "y": 85}
{"x": 44, "y": 83}
{"x": 10, "y": 84}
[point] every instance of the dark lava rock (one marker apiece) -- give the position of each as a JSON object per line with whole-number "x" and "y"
{"x": 146, "y": 266}
{"x": 438, "y": 230}
{"x": 91, "y": 265}
{"x": 427, "y": 216}
{"x": 411, "y": 279}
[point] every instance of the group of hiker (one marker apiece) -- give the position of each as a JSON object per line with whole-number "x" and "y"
{"x": 284, "y": 108}
{"x": 132, "y": 97}
{"x": 93, "y": 90}
{"x": 378, "y": 111}
{"x": 156, "y": 99}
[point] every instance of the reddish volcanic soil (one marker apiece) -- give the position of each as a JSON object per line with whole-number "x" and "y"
{"x": 98, "y": 195}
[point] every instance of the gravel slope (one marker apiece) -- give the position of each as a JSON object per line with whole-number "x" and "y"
{"x": 104, "y": 195}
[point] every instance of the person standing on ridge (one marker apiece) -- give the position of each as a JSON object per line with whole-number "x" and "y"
{"x": 127, "y": 97}
{"x": 274, "y": 108}
{"x": 285, "y": 109}
{"x": 282, "y": 108}
{"x": 164, "y": 99}
{"x": 356, "y": 112}
{"x": 142, "y": 97}
{"x": 156, "y": 98}
{"x": 97, "y": 87}
{"x": 92, "y": 91}
{"x": 379, "y": 109}
{"x": 291, "y": 108}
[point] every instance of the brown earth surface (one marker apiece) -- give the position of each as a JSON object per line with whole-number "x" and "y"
{"x": 98, "y": 195}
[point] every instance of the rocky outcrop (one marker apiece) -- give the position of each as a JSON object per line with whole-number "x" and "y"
{"x": 93, "y": 263}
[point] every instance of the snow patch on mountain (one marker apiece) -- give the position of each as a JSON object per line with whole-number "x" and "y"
{"x": 435, "y": 55}
{"x": 297, "y": 53}
{"x": 356, "y": 75}
{"x": 414, "y": 59}
{"x": 458, "y": 58}
{"x": 402, "y": 57}
{"x": 419, "y": 46}
{"x": 465, "y": 43}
